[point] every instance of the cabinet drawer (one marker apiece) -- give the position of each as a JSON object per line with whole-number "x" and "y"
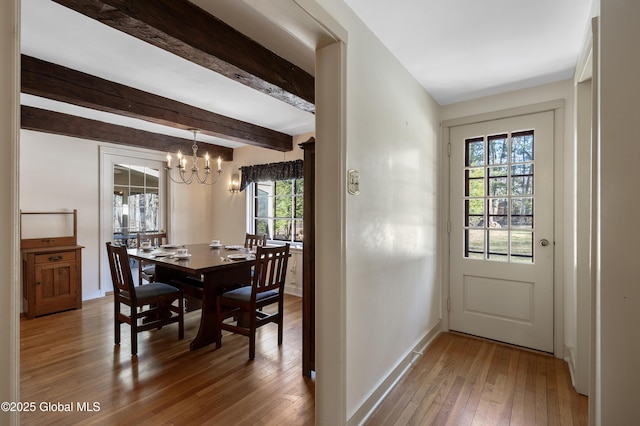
{"x": 55, "y": 257}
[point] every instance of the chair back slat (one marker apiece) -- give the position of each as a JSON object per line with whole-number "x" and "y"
{"x": 120, "y": 270}
{"x": 254, "y": 240}
{"x": 270, "y": 269}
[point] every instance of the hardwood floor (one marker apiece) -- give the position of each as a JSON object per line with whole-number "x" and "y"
{"x": 70, "y": 358}
{"x": 462, "y": 380}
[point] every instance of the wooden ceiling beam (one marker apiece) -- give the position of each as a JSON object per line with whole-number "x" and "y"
{"x": 58, "y": 123}
{"x": 184, "y": 29}
{"x": 44, "y": 79}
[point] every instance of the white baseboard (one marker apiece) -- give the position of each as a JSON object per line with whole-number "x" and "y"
{"x": 297, "y": 291}
{"x": 378, "y": 395}
{"x": 570, "y": 359}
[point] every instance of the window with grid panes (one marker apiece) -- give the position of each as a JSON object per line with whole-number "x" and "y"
{"x": 136, "y": 202}
{"x": 277, "y": 209}
{"x": 499, "y": 213}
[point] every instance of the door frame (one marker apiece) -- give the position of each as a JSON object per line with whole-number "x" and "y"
{"x": 557, "y": 107}
{"x": 109, "y": 155}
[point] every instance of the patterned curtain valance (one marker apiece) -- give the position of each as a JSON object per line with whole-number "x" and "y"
{"x": 272, "y": 171}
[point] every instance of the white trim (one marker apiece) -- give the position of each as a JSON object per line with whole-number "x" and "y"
{"x": 10, "y": 119}
{"x": 505, "y": 113}
{"x": 559, "y": 236}
{"x": 108, "y": 156}
{"x": 331, "y": 258}
{"x": 595, "y": 377}
{"x": 557, "y": 106}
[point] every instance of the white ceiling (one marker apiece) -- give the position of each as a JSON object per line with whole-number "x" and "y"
{"x": 466, "y": 49}
{"x": 457, "y": 49}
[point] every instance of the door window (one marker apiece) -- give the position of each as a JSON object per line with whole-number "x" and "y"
{"x": 136, "y": 201}
{"x": 499, "y": 176}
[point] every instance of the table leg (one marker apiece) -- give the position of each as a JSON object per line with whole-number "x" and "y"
{"x": 215, "y": 282}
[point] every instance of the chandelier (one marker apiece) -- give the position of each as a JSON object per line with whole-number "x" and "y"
{"x": 187, "y": 178}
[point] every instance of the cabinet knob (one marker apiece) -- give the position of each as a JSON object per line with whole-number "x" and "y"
{"x": 54, "y": 258}
{"x": 38, "y": 283}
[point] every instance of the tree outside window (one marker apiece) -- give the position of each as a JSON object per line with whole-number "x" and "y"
{"x": 277, "y": 209}
{"x": 136, "y": 201}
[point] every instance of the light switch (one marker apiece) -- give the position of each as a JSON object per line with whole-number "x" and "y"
{"x": 353, "y": 182}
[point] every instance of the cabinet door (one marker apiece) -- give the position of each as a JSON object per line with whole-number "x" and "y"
{"x": 56, "y": 287}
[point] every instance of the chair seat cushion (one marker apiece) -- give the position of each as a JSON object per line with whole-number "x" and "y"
{"x": 154, "y": 289}
{"x": 149, "y": 269}
{"x": 244, "y": 293}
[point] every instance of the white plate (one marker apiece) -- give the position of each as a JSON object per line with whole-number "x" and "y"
{"x": 233, "y": 247}
{"x": 237, "y": 256}
{"x": 160, "y": 254}
{"x": 214, "y": 246}
{"x": 169, "y": 246}
{"x": 182, "y": 256}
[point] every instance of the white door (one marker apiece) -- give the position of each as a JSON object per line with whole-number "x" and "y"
{"x": 501, "y": 266}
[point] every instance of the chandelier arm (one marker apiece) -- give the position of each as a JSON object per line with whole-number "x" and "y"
{"x": 189, "y": 180}
{"x": 195, "y": 170}
{"x": 204, "y": 181}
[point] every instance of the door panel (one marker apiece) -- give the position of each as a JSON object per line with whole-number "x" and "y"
{"x": 501, "y": 216}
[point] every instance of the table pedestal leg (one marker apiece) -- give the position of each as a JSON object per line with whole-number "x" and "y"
{"x": 214, "y": 283}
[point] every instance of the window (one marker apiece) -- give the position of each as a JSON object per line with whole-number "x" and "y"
{"x": 499, "y": 197}
{"x": 277, "y": 209}
{"x": 136, "y": 200}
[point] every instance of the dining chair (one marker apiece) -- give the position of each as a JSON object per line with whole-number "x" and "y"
{"x": 150, "y": 305}
{"x": 254, "y": 240}
{"x": 147, "y": 270}
{"x": 267, "y": 288}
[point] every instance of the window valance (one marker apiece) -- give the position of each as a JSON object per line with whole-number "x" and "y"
{"x": 271, "y": 172}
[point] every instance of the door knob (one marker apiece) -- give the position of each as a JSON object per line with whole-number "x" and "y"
{"x": 544, "y": 242}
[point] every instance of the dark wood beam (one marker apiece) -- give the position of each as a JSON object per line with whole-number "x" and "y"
{"x": 63, "y": 84}
{"x": 68, "y": 125}
{"x": 184, "y": 29}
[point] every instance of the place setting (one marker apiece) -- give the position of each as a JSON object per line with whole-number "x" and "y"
{"x": 181, "y": 254}
{"x": 234, "y": 247}
{"x": 241, "y": 256}
{"x": 146, "y": 246}
{"x": 171, "y": 251}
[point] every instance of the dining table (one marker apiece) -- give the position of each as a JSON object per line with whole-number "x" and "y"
{"x": 203, "y": 273}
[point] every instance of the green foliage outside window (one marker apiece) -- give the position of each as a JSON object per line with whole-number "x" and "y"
{"x": 278, "y": 209}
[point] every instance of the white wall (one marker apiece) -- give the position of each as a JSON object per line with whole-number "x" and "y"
{"x": 50, "y": 167}
{"x": 618, "y": 289}
{"x": 392, "y": 276}
{"x": 9, "y": 252}
{"x": 49, "y": 170}
{"x": 60, "y": 173}
{"x": 190, "y": 210}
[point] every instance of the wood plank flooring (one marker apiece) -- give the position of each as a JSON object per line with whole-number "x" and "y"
{"x": 462, "y": 380}
{"x": 70, "y": 358}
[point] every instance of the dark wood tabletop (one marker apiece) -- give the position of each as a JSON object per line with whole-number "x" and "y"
{"x": 207, "y": 272}
{"x": 203, "y": 258}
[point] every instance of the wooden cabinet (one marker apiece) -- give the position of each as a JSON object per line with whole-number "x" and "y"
{"x": 51, "y": 272}
{"x": 52, "y": 280}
